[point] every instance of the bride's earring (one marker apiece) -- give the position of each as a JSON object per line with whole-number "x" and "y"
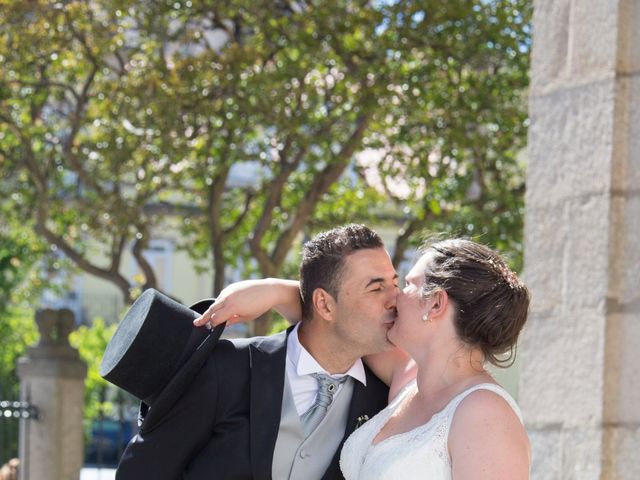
{"x": 425, "y": 317}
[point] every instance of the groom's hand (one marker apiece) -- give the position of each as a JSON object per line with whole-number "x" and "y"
{"x": 246, "y": 300}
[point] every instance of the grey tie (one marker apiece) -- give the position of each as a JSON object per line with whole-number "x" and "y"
{"x": 327, "y": 387}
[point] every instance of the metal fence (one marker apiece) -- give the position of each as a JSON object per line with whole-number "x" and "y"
{"x": 12, "y": 412}
{"x": 108, "y": 435}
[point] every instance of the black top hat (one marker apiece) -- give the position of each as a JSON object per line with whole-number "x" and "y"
{"x": 156, "y": 350}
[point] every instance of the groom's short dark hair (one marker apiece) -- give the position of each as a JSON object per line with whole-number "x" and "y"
{"x": 323, "y": 260}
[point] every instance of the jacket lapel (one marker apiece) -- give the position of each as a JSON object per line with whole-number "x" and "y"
{"x": 267, "y": 384}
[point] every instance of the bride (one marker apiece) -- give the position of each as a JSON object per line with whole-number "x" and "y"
{"x": 447, "y": 418}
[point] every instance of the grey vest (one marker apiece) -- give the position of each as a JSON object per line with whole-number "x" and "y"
{"x": 294, "y": 456}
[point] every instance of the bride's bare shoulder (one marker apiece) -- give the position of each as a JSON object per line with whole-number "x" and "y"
{"x": 487, "y": 439}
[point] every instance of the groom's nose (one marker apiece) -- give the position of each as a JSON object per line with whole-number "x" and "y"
{"x": 391, "y": 301}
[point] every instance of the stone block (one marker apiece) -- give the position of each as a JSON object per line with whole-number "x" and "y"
{"x": 585, "y": 274}
{"x": 549, "y": 56}
{"x": 593, "y": 39}
{"x": 624, "y": 282}
{"x": 634, "y": 123}
{"x": 622, "y": 369}
{"x": 621, "y": 447}
{"x": 546, "y": 234}
{"x": 546, "y": 453}
{"x": 542, "y": 378}
{"x": 633, "y": 137}
{"x": 582, "y": 453}
{"x": 562, "y": 378}
{"x": 629, "y": 38}
{"x": 571, "y": 144}
{"x": 562, "y": 267}
{"x": 559, "y": 453}
{"x": 626, "y": 146}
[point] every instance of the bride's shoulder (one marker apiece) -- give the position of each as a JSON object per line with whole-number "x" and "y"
{"x": 486, "y": 401}
{"x": 488, "y": 421}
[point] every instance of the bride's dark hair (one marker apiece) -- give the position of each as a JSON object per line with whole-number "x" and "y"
{"x": 491, "y": 302}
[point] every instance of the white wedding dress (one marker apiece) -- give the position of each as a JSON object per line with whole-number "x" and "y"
{"x": 419, "y": 453}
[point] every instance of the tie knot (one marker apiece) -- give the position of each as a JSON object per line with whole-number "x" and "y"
{"x": 328, "y": 384}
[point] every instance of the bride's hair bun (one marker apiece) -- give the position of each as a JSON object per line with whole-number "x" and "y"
{"x": 491, "y": 302}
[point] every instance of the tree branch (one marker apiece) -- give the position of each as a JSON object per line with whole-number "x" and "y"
{"x": 150, "y": 280}
{"x": 47, "y": 83}
{"x": 402, "y": 241}
{"x": 247, "y": 203}
{"x": 214, "y": 208}
{"x": 28, "y": 159}
{"x": 321, "y": 184}
{"x": 76, "y": 117}
{"x": 274, "y": 199}
{"x": 110, "y": 275}
{"x": 117, "y": 248}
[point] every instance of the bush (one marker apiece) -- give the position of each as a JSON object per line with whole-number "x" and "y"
{"x": 17, "y": 331}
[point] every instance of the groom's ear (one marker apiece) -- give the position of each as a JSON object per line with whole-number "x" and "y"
{"x": 323, "y": 304}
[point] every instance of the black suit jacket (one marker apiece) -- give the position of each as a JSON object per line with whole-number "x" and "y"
{"x": 226, "y": 423}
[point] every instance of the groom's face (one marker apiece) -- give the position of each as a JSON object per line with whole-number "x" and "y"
{"x": 366, "y": 303}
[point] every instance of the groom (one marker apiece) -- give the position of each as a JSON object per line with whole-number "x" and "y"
{"x": 267, "y": 414}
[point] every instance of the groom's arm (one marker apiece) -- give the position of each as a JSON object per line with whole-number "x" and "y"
{"x": 394, "y": 367}
{"x": 246, "y": 300}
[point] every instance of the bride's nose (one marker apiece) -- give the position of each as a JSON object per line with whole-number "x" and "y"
{"x": 404, "y": 291}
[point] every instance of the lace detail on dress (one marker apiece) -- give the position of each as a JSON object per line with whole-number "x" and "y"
{"x": 418, "y": 453}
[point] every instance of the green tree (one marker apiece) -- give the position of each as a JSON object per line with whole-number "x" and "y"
{"x": 91, "y": 342}
{"x": 18, "y": 331}
{"x": 120, "y": 120}
{"x": 19, "y": 251}
{"x": 17, "y": 256}
{"x": 454, "y": 161}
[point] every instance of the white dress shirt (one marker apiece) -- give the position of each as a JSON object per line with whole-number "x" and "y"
{"x": 300, "y": 366}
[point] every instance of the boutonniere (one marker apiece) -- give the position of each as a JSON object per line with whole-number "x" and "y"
{"x": 360, "y": 421}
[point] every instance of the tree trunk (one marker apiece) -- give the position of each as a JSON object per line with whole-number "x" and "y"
{"x": 219, "y": 264}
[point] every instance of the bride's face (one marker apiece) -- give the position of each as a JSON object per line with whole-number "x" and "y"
{"x": 411, "y": 306}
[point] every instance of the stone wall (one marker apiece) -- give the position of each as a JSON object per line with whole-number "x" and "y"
{"x": 580, "y": 379}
